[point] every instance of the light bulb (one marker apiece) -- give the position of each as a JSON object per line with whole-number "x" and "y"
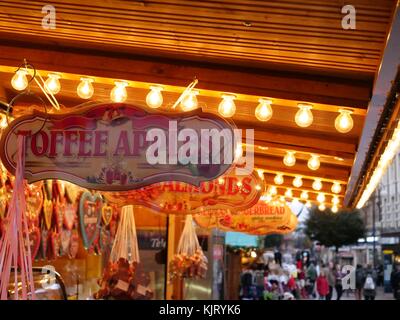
{"x": 189, "y": 101}
{"x": 289, "y": 159}
{"x": 258, "y": 187}
{"x": 321, "y": 207}
{"x": 278, "y": 179}
{"x": 154, "y": 98}
{"x": 321, "y": 197}
{"x": 273, "y": 191}
{"x": 317, "y": 184}
{"x": 221, "y": 180}
{"x": 264, "y": 111}
{"x": 336, "y": 188}
{"x": 304, "y": 195}
{"x": 289, "y": 193}
{"x": 335, "y": 200}
{"x": 334, "y": 209}
{"x": 52, "y": 84}
{"x": 308, "y": 204}
{"x": 3, "y": 122}
{"x": 313, "y": 163}
{"x": 85, "y": 88}
{"x": 268, "y": 198}
{"x": 282, "y": 199}
{"x": 118, "y": 93}
{"x": 304, "y": 116}
{"x": 297, "y": 182}
{"x": 19, "y": 80}
{"x": 227, "y": 106}
{"x": 239, "y": 184}
{"x": 238, "y": 152}
{"x": 260, "y": 173}
{"x": 344, "y": 122}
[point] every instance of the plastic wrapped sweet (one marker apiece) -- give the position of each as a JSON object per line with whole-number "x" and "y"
{"x": 189, "y": 261}
{"x": 124, "y": 278}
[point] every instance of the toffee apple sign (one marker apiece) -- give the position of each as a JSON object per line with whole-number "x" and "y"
{"x": 229, "y": 192}
{"x": 261, "y": 219}
{"x": 116, "y": 147}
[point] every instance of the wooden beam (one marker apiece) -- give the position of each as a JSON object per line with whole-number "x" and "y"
{"x": 212, "y": 76}
{"x": 301, "y": 141}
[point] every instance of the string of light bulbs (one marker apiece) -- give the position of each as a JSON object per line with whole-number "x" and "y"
{"x": 188, "y": 102}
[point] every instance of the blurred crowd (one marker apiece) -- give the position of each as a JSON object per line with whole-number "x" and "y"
{"x": 308, "y": 279}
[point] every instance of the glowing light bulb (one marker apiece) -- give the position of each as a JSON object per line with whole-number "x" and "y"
{"x": 52, "y": 84}
{"x": 189, "y": 102}
{"x": 253, "y": 254}
{"x": 321, "y": 197}
{"x": 221, "y": 180}
{"x": 334, "y": 209}
{"x": 336, "y": 188}
{"x": 239, "y": 153}
{"x": 313, "y": 163}
{"x": 258, "y": 187}
{"x": 227, "y": 106}
{"x": 154, "y": 98}
{"x": 304, "y": 195}
{"x": 260, "y": 173}
{"x": 118, "y": 93}
{"x": 289, "y": 193}
{"x": 289, "y": 159}
{"x": 273, "y": 191}
{"x": 308, "y": 204}
{"x": 239, "y": 184}
{"x": 278, "y": 179}
{"x": 335, "y": 200}
{"x": 85, "y": 88}
{"x": 321, "y": 207}
{"x": 282, "y": 199}
{"x": 317, "y": 184}
{"x": 268, "y": 198}
{"x": 297, "y": 182}
{"x": 3, "y": 122}
{"x": 344, "y": 122}
{"x": 304, "y": 116}
{"x": 263, "y": 111}
{"x": 19, "y": 80}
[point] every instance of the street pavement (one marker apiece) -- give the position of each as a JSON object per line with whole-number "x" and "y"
{"x": 380, "y": 295}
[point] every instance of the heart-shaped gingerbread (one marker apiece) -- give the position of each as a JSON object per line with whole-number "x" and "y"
{"x": 74, "y": 244}
{"x": 89, "y": 217}
{"x": 69, "y": 215}
{"x": 48, "y": 212}
{"x": 107, "y": 214}
{"x": 55, "y": 242}
{"x": 59, "y": 209}
{"x": 65, "y": 240}
{"x": 34, "y": 203}
{"x": 34, "y": 241}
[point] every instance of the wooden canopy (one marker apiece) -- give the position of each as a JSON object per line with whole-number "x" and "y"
{"x": 289, "y": 51}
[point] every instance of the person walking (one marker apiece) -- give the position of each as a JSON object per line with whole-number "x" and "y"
{"x": 338, "y": 282}
{"x": 369, "y": 285}
{"x": 330, "y": 275}
{"x": 322, "y": 285}
{"x": 360, "y": 279}
{"x": 395, "y": 281}
{"x": 311, "y": 277}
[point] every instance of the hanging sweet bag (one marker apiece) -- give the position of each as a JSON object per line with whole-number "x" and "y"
{"x": 123, "y": 278}
{"x": 189, "y": 261}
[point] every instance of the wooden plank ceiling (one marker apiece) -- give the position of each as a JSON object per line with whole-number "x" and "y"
{"x": 290, "y": 51}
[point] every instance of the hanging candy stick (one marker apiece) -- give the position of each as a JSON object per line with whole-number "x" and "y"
{"x": 15, "y": 250}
